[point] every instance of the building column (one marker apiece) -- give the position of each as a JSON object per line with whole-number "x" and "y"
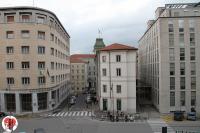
{"x": 17, "y": 103}
{"x": 2, "y": 102}
{"x": 50, "y": 100}
{"x": 34, "y": 102}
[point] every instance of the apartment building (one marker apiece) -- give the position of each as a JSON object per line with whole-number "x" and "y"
{"x": 89, "y": 59}
{"x": 117, "y": 78}
{"x": 34, "y": 60}
{"x": 78, "y": 75}
{"x": 168, "y": 57}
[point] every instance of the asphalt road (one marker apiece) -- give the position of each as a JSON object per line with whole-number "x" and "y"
{"x": 55, "y": 125}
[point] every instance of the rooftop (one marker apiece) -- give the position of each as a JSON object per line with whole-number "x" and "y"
{"x": 76, "y": 60}
{"x": 83, "y": 56}
{"x": 117, "y": 46}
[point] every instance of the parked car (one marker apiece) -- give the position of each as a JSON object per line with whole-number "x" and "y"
{"x": 88, "y": 99}
{"x": 39, "y": 130}
{"x": 191, "y": 116}
{"x": 178, "y": 115}
{"x": 2, "y": 114}
{"x": 74, "y": 97}
{"x": 72, "y": 101}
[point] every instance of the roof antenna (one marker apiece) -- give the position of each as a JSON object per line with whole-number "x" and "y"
{"x": 99, "y": 32}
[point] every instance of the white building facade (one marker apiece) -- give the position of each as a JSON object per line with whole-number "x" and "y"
{"x": 117, "y": 78}
{"x": 168, "y": 57}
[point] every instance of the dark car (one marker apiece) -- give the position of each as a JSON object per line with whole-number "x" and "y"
{"x": 2, "y": 114}
{"x": 178, "y": 115}
{"x": 39, "y": 130}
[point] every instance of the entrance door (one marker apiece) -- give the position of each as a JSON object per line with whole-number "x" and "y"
{"x": 105, "y": 101}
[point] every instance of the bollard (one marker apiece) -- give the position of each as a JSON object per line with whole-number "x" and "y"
{"x": 164, "y": 129}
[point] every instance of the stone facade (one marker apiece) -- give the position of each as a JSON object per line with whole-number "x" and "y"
{"x": 34, "y": 60}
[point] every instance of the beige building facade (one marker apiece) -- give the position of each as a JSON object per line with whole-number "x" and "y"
{"x": 34, "y": 60}
{"x": 168, "y": 58}
{"x": 78, "y": 75}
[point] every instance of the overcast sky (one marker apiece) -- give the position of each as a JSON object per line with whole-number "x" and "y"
{"x": 121, "y": 21}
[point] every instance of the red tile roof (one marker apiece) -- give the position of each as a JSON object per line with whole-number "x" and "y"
{"x": 76, "y": 60}
{"x": 83, "y": 56}
{"x": 117, "y": 46}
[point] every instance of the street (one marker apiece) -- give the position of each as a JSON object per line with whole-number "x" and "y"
{"x": 78, "y": 119}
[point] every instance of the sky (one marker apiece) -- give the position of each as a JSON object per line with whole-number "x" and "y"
{"x": 120, "y": 21}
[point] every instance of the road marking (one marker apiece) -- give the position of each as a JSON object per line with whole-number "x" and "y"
{"x": 66, "y": 113}
{"x": 62, "y": 114}
{"x": 74, "y": 113}
{"x": 54, "y": 114}
{"x": 90, "y": 114}
{"x": 86, "y": 113}
{"x": 78, "y": 113}
{"x": 82, "y": 113}
{"x": 58, "y": 114}
{"x": 70, "y": 113}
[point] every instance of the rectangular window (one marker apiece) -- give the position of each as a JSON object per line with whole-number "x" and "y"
{"x": 10, "y": 65}
{"x": 170, "y": 26}
{"x": 182, "y": 83}
{"x": 52, "y": 65}
{"x": 10, "y": 19}
{"x": 25, "y": 34}
{"x": 119, "y": 88}
{"x": 40, "y": 20}
{"x": 172, "y": 99}
{"x": 104, "y": 88}
{"x": 193, "y": 83}
{"x": 193, "y": 98}
{"x": 25, "y": 18}
{"x": 41, "y": 80}
{"x": 52, "y": 37}
{"x": 192, "y": 25}
{"x": 192, "y": 39}
{"x": 182, "y": 68}
{"x": 25, "y": 80}
{"x": 171, "y": 54}
{"x": 103, "y": 58}
{"x": 41, "y": 35}
{"x": 182, "y": 54}
{"x": 104, "y": 72}
{"x": 193, "y": 68}
{"x": 41, "y": 65}
{"x": 25, "y": 49}
{"x": 192, "y": 53}
{"x": 172, "y": 68}
{"x": 181, "y": 25}
{"x": 181, "y": 39}
{"x": 52, "y": 79}
{"x": 10, "y": 34}
{"x": 41, "y": 50}
{"x": 25, "y": 65}
{"x": 119, "y": 104}
{"x": 172, "y": 83}
{"x": 10, "y": 50}
{"x": 171, "y": 39}
{"x": 118, "y": 58}
{"x": 52, "y": 51}
{"x": 10, "y": 80}
{"x": 182, "y": 98}
{"x": 118, "y": 71}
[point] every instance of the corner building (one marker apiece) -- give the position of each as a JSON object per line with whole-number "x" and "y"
{"x": 169, "y": 59}
{"x": 34, "y": 60}
{"x": 117, "y": 78}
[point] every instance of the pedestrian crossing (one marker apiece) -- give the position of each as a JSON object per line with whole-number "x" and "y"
{"x": 71, "y": 114}
{"x": 157, "y": 124}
